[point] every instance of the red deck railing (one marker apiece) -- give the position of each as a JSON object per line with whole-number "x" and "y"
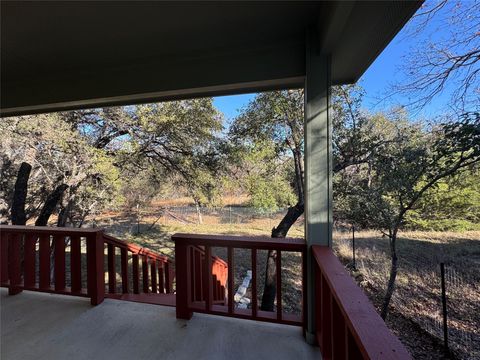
{"x": 36, "y": 258}
{"x": 28, "y": 254}
{"x": 219, "y": 276}
{"x": 348, "y": 327}
{"x": 156, "y": 271}
{"x": 195, "y": 283}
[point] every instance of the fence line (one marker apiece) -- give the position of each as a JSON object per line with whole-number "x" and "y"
{"x": 418, "y": 293}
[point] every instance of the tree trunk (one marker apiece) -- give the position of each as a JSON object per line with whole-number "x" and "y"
{"x": 20, "y": 195}
{"x": 64, "y": 214}
{"x": 393, "y": 275}
{"x": 199, "y": 213}
{"x": 270, "y": 287}
{"x": 50, "y": 205}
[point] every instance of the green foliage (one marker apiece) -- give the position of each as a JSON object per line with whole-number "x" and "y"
{"x": 411, "y": 165}
{"x": 59, "y": 154}
{"x": 452, "y": 205}
{"x": 267, "y": 151}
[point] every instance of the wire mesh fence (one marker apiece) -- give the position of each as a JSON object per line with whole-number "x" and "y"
{"x": 418, "y": 292}
{"x": 221, "y": 215}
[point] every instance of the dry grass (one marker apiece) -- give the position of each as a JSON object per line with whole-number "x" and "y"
{"x": 417, "y": 294}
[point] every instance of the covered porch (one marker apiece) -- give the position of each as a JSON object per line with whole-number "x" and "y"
{"x": 48, "y": 326}
{"x": 53, "y": 61}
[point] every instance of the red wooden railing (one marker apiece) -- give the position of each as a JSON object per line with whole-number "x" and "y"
{"x": 27, "y": 254}
{"x": 195, "y": 279}
{"x": 219, "y": 276}
{"x": 156, "y": 270}
{"x": 348, "y": 327}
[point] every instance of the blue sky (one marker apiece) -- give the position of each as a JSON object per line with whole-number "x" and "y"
{"x": 378, "y": 78}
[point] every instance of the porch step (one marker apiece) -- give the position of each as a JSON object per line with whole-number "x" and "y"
{"x": 154, "y": 299}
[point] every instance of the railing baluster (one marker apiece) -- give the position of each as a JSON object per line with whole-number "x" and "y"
{"x": 193, "y": 282}
{"x": 339, "y": 338}
{"x": 4, "y": 239}
{"x": 44, "y": 261}
{"x": 76, "y": 263}
{"x": 254, "y": 283}
{"x": 29, "y": 260}
{"x": 14, "y": 264}
{"x": 153, "y": 273}
{"x": 145, "y": 273}
{"x": 326, "y": 317}
{"x": 161, "y": 283}
{"x": 135, "y": 273}
{"x": 168, "y": 278}
{"x": 279, "y": 284}
{"x": 217, "y": 275}
{"x": 95, "y": 268}
{"x": 182, "y": 265}
{"x": 207, "y": 279}
{"x": 230, "y": 280}
{"x": 304, "y": 290}
{"x": 59, "y": 262}
{"x": 124, "y": 264}
{"x": 112, "y": 273}
{"x": 198, "y": 274}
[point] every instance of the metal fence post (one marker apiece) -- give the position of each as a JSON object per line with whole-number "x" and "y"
{"x": 353, "y": 247}
{"x": 444, "y": 308}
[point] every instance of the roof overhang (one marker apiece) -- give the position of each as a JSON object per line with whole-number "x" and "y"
{"x": 63, "y": 55}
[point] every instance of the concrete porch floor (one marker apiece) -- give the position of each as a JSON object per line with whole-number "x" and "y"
{"x": 45, "y": 326}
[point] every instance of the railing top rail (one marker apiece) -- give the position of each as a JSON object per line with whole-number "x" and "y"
{"x": 48, "y": 229}
{"x": 134, "y": 248}
{"x": 250, "y": 242}
{"x": 375, "y": 340}
{"x": 82, "y": 232}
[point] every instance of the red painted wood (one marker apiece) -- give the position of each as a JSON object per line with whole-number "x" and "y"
{"x": 304, "y": 291}
{"x": 230, "y": 281}
{"x": 145, "y": 274}
{"x": 124, "y": 264}
{"x": 278, "y": 269}
{"x": 76, "y": 263}
{"x": 215, "y": 273}
{"x": 368, "y": 330}
{"x": 44, "y": 261}
{"x": 153, "y": 273}
{"x": 193, "y": 282}
{"x": 95, "y": 268}
{"x": 135, "y": 249}
{"x": 266, "y": 316}
{"x": 161, "y": 282}
{"x": 325, "y": 318}
{"x": 112, "y": 273}
{"x": 4, "y": 239}
{"x": 197, "y": 277}
{"x": 168, "y": 278}
{"x": 251, "y": 242}
{"x": 155, "y": 299}
{"x": 183, "y": 271}
{"x": 14, "y": 274}
{"x": 352, "y": 351}
{"x": 12, "y": 260}
{"x": 339, "y": 335}
{"x": 45, "y": 230}
{"x": 59, "y": 262}
{"x": 135, "y": 274}
{"x": 254, "y": 284}
{"x": 207, "y": 279}
{"x": 29, "y": 260}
